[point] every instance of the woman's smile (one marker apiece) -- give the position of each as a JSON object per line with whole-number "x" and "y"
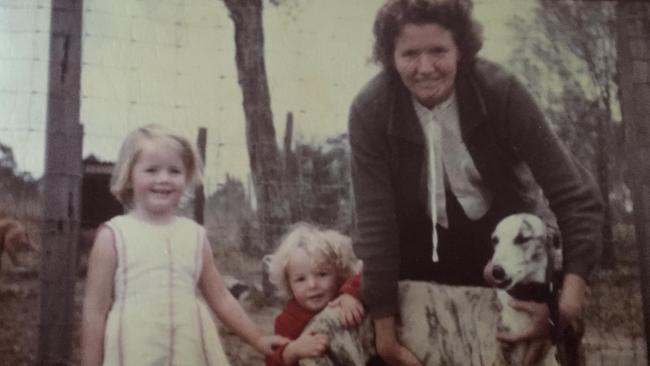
{"x": 426, "y": 59}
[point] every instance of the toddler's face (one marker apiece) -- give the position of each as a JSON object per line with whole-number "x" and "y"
{"x": 312, "y": 284}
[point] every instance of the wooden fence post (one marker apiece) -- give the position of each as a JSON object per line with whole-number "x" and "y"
{"x": 62, "y": 186}
{"x": 199, "y": 193}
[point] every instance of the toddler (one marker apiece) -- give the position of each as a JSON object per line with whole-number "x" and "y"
{"x": 313, "y": 268}
{"x": 151, "y": 273}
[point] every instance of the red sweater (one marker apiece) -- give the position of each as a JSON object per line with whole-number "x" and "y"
{"x": 294, "y": 318}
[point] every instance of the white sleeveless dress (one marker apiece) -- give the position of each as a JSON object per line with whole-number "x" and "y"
{"x": 158, "y": 316}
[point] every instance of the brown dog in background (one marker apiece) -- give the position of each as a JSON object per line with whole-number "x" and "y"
{"x": 14, "y": 239}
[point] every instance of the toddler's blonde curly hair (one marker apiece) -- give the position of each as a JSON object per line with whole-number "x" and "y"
{"x": 326, "y": 247}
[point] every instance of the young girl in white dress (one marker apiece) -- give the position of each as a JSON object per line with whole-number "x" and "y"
{"x": 151, "y": 273}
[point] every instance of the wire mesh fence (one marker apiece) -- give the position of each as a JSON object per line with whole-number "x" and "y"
{"x": 614, "y": 316}
{"x": 164, "y": 62}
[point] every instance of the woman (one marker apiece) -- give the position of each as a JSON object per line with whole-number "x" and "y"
{"x": 444, "y": 145}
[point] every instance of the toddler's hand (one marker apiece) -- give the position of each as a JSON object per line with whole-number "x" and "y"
{"x": 266, "y": 344}
{"x": 310, "y": 344}
{"x": 352, "y": 312}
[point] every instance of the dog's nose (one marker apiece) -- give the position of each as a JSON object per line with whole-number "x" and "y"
{"x": 498, "y": 273}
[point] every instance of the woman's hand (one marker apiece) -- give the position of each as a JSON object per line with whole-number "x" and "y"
{"x": 398, "y": 355}
{"x": 351, "y": 313}
{"x": 389, "y": 348}
{"x": 572, "y": 299}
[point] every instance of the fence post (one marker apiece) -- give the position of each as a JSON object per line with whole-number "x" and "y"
{"x": 62, "y": 181}
{"x": 634, "y": 64}
{"x": 199, "y": 193}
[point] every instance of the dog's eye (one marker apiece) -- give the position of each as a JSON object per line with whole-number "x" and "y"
{"x": 536, "y": 256}
{"x": 494, "y": 241}
{"x": 521, "y": 239}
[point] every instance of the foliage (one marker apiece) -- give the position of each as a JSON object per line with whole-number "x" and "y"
{"x": 231, "y": 216}
{"x": 318, "y": 184}
{"x": 19, "y": 193}
{"x": 567, "y": 55}
{"x": 317, "y": 187}
{"x": 7, "y": 160}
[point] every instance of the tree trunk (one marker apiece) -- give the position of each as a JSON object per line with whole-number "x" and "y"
{"x": 62, "y": 186}
{"x": 263, "y": 152}
{"x": 634, "y": 63}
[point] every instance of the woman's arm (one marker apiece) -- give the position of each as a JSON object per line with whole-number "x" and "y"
{"x": 228, "y": 309}
{"x": 574, "y": 199}
{"x": 376, "y": 243}
{"x": 572, "y": 298}
{"x": 98, "y": 297}
{"x": 376, "y": 224}
{"x": 571, "y": 192}
{"x": 388, "y": 347}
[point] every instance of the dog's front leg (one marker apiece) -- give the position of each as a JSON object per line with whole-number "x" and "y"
{"x": 515, "y": 321}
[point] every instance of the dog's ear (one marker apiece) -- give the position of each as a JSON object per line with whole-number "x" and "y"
{"x": 14, "y": 238}
{"x": 557, "y": 241}
{"x": 5, "y": 225}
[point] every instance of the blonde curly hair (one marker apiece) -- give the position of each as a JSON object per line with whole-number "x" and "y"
{"x": 326, "y": 247}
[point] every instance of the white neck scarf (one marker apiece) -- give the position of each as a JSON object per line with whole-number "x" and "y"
{"x": 442, "y": 131}
{"x": 432, "y": 120}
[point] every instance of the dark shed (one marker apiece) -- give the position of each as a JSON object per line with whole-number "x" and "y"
{"x": 97, "y": 203}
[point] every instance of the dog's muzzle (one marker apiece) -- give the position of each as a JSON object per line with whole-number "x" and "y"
{"x": 501, "y": 279}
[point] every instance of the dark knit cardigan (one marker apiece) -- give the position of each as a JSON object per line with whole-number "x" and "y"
{"x": 513, "y": 147}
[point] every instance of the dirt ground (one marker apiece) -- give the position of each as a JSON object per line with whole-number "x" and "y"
{"x": 19, "y": 319}
{"x": 613, "y": 316}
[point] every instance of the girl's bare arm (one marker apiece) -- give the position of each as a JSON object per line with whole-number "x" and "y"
{"x": 228, "y": 308}
{"x": 98, "y": 297}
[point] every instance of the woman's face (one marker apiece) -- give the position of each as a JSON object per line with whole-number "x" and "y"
{"x": 426, "y": 59}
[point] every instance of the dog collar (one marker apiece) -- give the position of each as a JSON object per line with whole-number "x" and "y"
{"x": 533, "y": 291}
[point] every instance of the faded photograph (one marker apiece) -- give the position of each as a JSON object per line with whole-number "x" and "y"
{"x": 340, "y": 182}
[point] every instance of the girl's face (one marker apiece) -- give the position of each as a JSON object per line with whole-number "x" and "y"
{"x": 158, "y": 180}
{"x": 313, "y": 285}
{"x": 426, "y": 59}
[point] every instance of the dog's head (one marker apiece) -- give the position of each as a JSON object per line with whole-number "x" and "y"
{"x": 16, "y": 239}
{"x": 520, "y": 251}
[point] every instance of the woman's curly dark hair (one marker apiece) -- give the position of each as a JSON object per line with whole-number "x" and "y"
{"x": 454, "y": 15}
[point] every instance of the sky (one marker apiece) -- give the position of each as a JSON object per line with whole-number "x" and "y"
{"x": 172, "y": 62}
